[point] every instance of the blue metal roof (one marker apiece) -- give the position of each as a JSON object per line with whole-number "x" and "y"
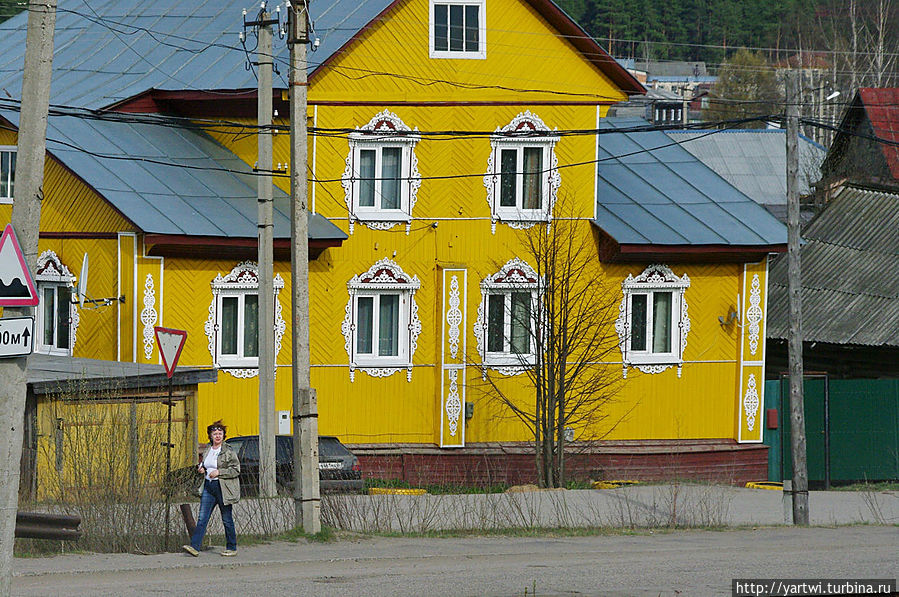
{"x": 651, "y": 191}
{"x": 111, "y": 50}
{"x": 169, "y": 180}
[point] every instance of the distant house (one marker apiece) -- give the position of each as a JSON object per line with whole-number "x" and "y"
{"x": 681, "y": 77}
{"x": 656, "y": 105}
{"x": 755, "y": 161}
{"x": 856, "y": 155}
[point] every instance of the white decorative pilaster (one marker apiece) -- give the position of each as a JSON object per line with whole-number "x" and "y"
{"x": 148, "y": 316}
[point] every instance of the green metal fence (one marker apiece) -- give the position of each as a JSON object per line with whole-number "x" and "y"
{"x": 852, "y": 429}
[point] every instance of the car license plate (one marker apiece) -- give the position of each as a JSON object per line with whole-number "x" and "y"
{"x": 330, "y": 465}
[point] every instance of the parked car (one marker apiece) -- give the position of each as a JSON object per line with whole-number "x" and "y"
{"x": 338, "y": 468}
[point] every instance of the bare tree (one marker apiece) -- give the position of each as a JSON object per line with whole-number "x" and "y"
{"x": 550, "y": 317}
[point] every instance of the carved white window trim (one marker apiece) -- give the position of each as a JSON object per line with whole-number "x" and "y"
{"x": 385, "y": 129}
{"x": 243, "y": 279}
{"x": 148, "y": 316}
{"x": 384, "y": 277}
{"x": 654, "y": 278}
{"x": 525, "y": 130}
{"x": 754, "y": 314}
{"x": 480, "y": 53}
{"x": 515, "y": 276}
{"x": 50, "y": 271}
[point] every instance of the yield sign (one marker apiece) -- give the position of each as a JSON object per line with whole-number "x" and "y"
{"x": 16, "y": 284}
{"x": 170, "y": 344}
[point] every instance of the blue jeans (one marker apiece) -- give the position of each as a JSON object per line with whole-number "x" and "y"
{"x": 212, "y": 497}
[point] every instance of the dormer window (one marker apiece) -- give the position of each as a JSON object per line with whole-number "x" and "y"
{"x": 458, "y": 29}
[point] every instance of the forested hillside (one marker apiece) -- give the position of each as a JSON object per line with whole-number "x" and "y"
{"x": 858, "y": 35}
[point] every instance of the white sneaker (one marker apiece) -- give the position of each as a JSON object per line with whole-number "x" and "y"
{"x": 189, "y": 549}
{"x": 229, "y": 553}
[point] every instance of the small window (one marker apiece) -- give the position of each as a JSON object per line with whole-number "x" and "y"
{"x": 458, "y": 29}
{"x": 381, "y": 179}
{"x": 381, "y": 326}
{"x": 653, "y": 324}
{"x": 522, "y": 172}
{"x": 233, "y": 323}
{"x": 507, "y": 317}
{"x": 56, "y": 318}
{"x": 7, "y": 174}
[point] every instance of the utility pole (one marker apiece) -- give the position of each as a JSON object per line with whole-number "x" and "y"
{"x": 266, "y": 296}
{"x": 305, "y": 406}
{"x": 26, "y": 219}
{"x": 797, "y": 407}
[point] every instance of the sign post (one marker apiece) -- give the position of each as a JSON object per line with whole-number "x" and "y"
{"x": 170, "y": 343}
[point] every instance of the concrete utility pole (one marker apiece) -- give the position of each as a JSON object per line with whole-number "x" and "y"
{"x": 267, "y": 422}
{"x": 797, "y": 407}
{"x": 305, "y": 407}
{"x": 26, "y": 219}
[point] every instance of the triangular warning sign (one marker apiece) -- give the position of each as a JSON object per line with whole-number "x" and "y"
{"x": 16, "y": 284}
{"x": 170, "y": 343}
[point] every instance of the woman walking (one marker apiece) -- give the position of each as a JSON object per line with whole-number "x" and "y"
{"x": 220, "y": 487}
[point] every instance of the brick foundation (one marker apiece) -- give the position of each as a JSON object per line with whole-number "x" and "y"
{"x": 720, "y": 461}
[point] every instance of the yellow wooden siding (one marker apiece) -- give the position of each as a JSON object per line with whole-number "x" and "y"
{"x": 526, "y": 60}
{"x": 127, "y": 285}
{"x": 96, "y": 333}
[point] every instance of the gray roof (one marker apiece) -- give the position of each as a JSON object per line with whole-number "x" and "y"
{"x": 652, "y": 191}
{"x": 673, "y": 68}
{"x": 169, "y": 180}
{"x": 57, "y": 374}
{"x": 754, "y": 161}
{"x": 107, "y": 51}
{"x": 850, "y": 273}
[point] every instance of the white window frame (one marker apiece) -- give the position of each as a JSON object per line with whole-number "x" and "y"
{"x": 481, "y": 52}
{"x": 10, "y": 178}
{"x": 51, "y": 273}
{"x": 654, "y": 279}
{"x": 516, "y": 276}
{"x": 383, "y": 278}
{"x": 525, "y": 130}
{"x": 384, "y": 130}
{"x": 243, "y": 280}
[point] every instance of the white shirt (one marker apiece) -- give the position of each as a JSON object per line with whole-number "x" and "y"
{"x": 211, "y": 463}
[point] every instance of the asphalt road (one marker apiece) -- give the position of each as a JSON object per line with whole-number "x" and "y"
{"x": 669, "y": 563}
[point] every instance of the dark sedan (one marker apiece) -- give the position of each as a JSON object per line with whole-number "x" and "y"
{"x": 338, "y": 468}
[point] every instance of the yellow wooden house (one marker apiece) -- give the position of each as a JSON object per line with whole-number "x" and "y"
{"x": 443, "y": 133}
